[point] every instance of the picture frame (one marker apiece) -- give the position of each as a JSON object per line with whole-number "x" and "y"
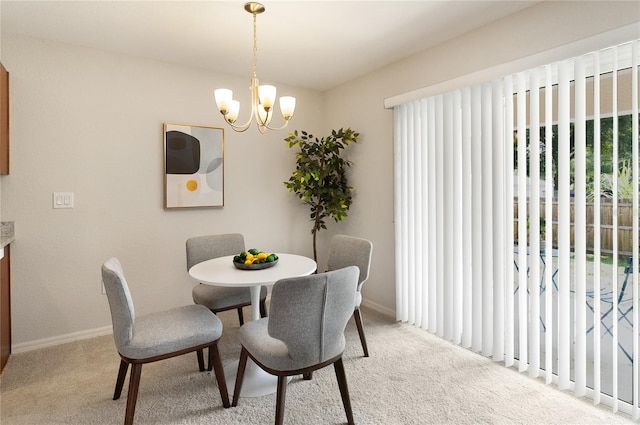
{"x": 193, "y": 166}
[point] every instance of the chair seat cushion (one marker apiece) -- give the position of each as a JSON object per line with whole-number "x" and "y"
{"x": 272, "y": 352}
{"x": 160, "y": 333}
{"x": 219, "y": 298}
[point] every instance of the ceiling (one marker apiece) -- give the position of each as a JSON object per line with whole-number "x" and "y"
{"x": 312, "y": 44}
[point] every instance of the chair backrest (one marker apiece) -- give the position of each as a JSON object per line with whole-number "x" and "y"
{"x": 120, "y": 302}
{"x": 309, "y": 314}
{"x": 350, "y": 251}
{"x": 202, "y": 248}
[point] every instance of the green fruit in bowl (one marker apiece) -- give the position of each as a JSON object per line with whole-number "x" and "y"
{"x": 254, "y": 256}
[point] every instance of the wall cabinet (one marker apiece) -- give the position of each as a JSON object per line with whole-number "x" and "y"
{"x": 5, "y": 308}
{"x": 4, "y": 120}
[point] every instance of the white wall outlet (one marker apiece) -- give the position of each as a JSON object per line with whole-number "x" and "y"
{"x": 62, "y": 200}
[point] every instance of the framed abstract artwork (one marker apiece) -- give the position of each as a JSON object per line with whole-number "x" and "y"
{"x": 193, "y": 166}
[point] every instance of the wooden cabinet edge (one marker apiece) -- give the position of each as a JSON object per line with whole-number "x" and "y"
{"x": 5, "y": 307}
{"x": 4, "y": 120}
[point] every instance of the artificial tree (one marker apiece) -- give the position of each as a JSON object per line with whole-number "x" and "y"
{"x": 320, "y": 178}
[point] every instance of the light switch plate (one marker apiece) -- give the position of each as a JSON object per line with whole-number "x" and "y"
{"x": 62, "y": 200}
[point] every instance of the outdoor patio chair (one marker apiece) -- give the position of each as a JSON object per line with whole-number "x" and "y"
{"x": 623, "y": 299}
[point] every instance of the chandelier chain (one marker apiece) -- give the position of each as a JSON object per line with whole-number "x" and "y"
{"x": 255, "y": 43}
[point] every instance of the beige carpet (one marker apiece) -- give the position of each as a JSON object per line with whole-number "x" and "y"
{"x": 412, "y": 377}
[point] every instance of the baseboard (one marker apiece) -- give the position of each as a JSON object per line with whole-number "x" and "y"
{"x": 379, "y": 308}
{"x": 106, "y": 330}
{"x": 60, "y": 339}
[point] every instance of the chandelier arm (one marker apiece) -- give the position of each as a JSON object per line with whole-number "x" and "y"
{"x": 254, "y": 112}
{"x": 261, "y": 126}
{"x": 240, "y": 128}
{"x": 286, "y": 123}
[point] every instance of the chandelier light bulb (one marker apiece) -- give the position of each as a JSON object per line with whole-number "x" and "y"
{"x": 267, "y": 95}
{"x": 223, "y": 99}
{"x": 287, "y": 106}
{"x": 264, "y": 116}
{"x": 234, "y": 109}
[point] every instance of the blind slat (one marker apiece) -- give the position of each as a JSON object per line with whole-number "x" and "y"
{"x": 523, "y": 320}
{"x": 476, "y": 207}
{"x": 534, "y": 225}
{"x": 508, "y": 228}
{"x": 467, "y": 220}
{"x": 597, "y": 373}
{"x": 635, "y": 149}
{"x": 580, "y": 229}
{"x": 564, "y": 214}
{"x": 548, "y": 277}
{"x": 448, "y": 267}
{"x": 487, "y": 221}
{"x": 458, "y": 234}
{"x": 498, "y": 216}
{"x": 614, "y": 266}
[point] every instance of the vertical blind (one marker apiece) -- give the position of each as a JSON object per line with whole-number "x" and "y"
{"x": 500, "y": 192}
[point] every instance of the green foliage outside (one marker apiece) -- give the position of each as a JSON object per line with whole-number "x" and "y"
{"x": 606, "y": 155}
{"x": 320, "y": 177}
{"x": 607, "y": 259}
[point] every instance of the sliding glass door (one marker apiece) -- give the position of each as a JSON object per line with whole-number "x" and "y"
{"x": 517, "y": 221}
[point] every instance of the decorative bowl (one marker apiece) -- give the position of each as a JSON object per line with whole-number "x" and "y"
{"x": 260, "y": 266}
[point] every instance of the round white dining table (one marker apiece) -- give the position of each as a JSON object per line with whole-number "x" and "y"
{"x": 221, "y": 272}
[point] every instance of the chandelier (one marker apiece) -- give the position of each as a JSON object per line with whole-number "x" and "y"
{"x": 262, "y": 97}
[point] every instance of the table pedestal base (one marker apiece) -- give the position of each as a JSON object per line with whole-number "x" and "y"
{"x": 256, "y": 382}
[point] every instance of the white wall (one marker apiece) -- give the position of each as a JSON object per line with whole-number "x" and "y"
{"x": 91, "y": 122}
{"x": 359, "y": 104}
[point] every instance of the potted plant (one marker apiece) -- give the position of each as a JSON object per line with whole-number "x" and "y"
{"x": 320, "y": 178}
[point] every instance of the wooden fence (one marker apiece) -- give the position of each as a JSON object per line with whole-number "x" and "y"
{"x": 625, "y": 220}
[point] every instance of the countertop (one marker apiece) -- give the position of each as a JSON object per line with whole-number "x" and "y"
{"x": 7, "y": 233}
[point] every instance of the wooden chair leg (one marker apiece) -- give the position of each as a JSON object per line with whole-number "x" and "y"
{"x": 363, "y": 341}
{"x": 280, "y": 398}
{"x": 239, "y": 376}
{"x": 214, "y": 357}
{"x": 307, "y": 376}
{"x": 132, "y": 396}
{"x": 122, "y": 373}
{"x": 210, "y": 357}
{"x": 344, "y": 390}
{"x": 240, "y": 316}
{"x": 200, "y": 360}
{"x": 263, "y": 308}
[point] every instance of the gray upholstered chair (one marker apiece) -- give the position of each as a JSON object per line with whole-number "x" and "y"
{"x": 218, "y": 298}
{"x": 351, "y": 251}
{"x": 157, "y": 336}
{"x": 304, "y": 332}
